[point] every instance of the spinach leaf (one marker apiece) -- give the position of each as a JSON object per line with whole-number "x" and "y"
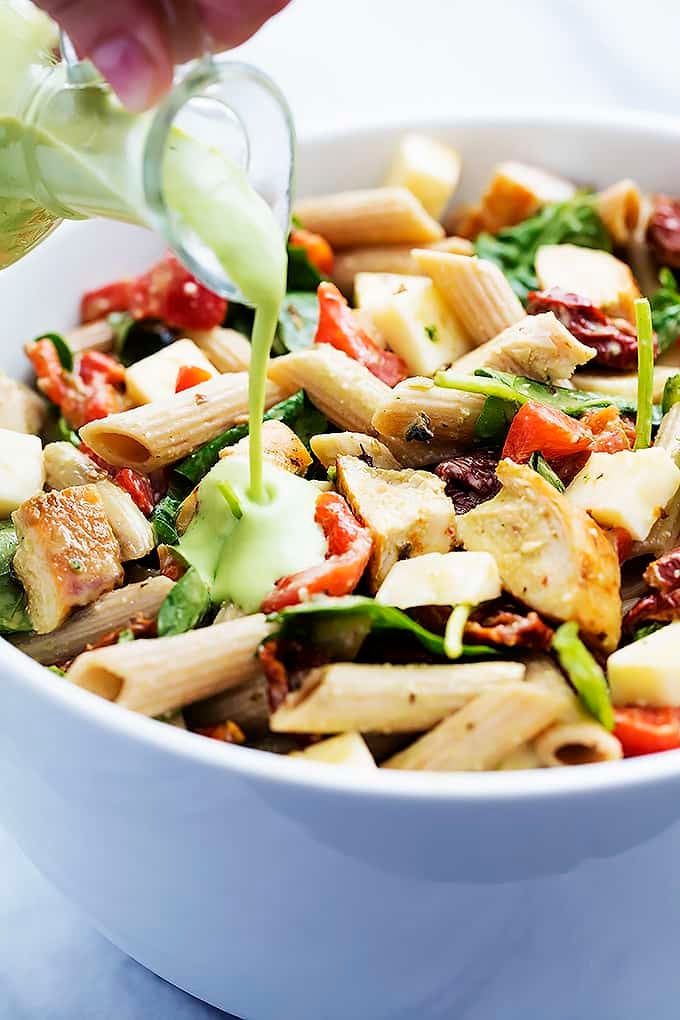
{"x": 65, "y": 433}
{"x": 62, "y": 348}
{"x": 164, "y": 517}
{"x": 665, "y": 304}
{"x": 184, "y": 606}
{"x": 584, "y": 673}
{"x": 302, "y": 275}
{"x": 645, "y": 629}
{"x": 542, "y": 468}
{"x": 365, "y": 611}
{"x": 493, "y": 423}
{"x": 514, "y": 249}
{"x": 14, "y": 616}
{"x": 299, "y": 321}
{"x": 671, "y": 393}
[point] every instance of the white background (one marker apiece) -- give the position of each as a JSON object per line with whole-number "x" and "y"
{"x": 345, "y": 61}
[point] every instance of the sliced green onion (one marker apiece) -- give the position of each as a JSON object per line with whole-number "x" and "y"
{"x": 455, "y": 628}
{"x": 587, "y": 678}
{"x": 542, "y": 468}
{"x": 475, "y": 384}
{"x": 645, "y": 393}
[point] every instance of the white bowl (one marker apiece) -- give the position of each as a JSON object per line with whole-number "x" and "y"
{"x": 278, "y": 888}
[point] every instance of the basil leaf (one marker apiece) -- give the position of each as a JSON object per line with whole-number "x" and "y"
{"x": 302, "y": 275}
{"x": 299, "y": 321}
{"x": 62, "y": 348}
{"x": 542, "y": 468}
{"x": 584, "y": 673}
{"x": 14, "y": 616}
{"x": 184, "y": 606}
{"x": 665, "y": 304}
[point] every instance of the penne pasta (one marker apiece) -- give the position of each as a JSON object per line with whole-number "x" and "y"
{"x": 248, "y": 702}
{"x": 65, "y": 465}
{"x": 524, "y": 757}
{"x": 132, "y": 529}
{"x": 21, "y": 409}
{"x": 349, "y": 750}
{"x": 388, "y": 259}
{"x": 157, "y": 434}
{"x": 331, "y": 445}
{"x": 386, "y": 699}
{"x": 227, "y": 349}
{"x": 165, "y": 674}
{"x": 111, "y": 613}
{"x": 620, "y": 209}
{"x": 476, "y": 291}
{"x": 377, "y": 216}
{"x": 483, "y": 733}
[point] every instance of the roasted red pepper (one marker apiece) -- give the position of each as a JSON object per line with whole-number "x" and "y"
{"x": 663, "y": 230}
{"x": 537, "y": 428}
{"x": 319, "y": 251}
{"x": 191, "y": 375}
{"x": 83, "y": 396}
{"x": 614, "y": 340}
{"x": 139, "y": 488}
{"x": 349, "y": 549}
{"x": 169, "y": 292}
{"x": 647, "y": 730}
{"x": 339, "y": 328}
{"x": 114, "y": 297}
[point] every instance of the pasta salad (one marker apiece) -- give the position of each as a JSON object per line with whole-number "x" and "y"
{"x": 468, "y": 554}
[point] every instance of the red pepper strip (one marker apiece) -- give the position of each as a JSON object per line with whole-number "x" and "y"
{"x": 349, "y": 549}
{"x": 79, "y": 401}
{"x": 95, "y": 363}
{"x": 339, "y": 328}
{"x": 537, "y": 428}
{"x": 169, "y": 292}
{"x": 139, "y": 488}
{"x": 97, "y": 304}
{"x": 50, "y": 375}
{"x": 647, "y": 730}
{"x": 190, "y": 375}
{"x": 319, "y": 251}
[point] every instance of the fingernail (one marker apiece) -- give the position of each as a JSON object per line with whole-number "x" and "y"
{"x": 129, "y": 68}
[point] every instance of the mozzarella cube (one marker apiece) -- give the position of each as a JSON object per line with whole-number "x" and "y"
{"x": 22, "y": 472}
{"x": 647, "y": 672}
{"x": 441, "y": 579}
{"x": 413, "y": 318}
{"x": 155, "y": 377}
{"x": 429, "y": 169}
{"x": 627, "y": 489}
{"x": 349, "y": 749}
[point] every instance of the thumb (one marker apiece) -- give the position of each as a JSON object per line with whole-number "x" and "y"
{"x": 126, "y": 40}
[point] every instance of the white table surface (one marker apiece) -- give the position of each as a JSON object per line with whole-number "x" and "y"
{"x": 349, "y": 61}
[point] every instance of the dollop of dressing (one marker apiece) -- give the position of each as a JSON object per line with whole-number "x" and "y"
{"x": 240, "y": 546}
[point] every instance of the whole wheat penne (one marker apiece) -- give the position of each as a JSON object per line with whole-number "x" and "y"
{"x": 130, "y": 526}
{"x": 386, "y": 699}
{"x": 246, "y": 704}
{"x": 227, "y": 349}
{"x": 110, "y": 613}
{"x": 65, "y": 466}
{"x": 475, "y": 290}
{"x": 620, "y": 208}
{"x": 95, "y": 336}
{"x": 279, "y": 444}
{"x": 157, "y": 434}
{"x": 331, "y": 445}
{"x": 348, "y": 749}
{"x": 522, "y": 758}
{"x": 483, "y": 733}
{"x": 165, "y": 674}
{"x": 623, "y": 384}
{"x": 21, "y": 409}
{"x": 388, "y": 259}
{"x": 377, "y": 216}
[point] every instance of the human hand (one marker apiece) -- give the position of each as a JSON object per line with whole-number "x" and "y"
{"x": 135, "y": 44}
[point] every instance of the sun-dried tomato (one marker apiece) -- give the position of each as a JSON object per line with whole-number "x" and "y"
{"x": 508, "y": 627}
{"x": 661, "y": 607}
{"x": 614, "y": 340}
{"x": 138, "y": 487}
{"x": 664, "y": 573}
{"x": 470, "y": 479}
{"x": 663, "y": 230}
{"x": 227, "y": 732}
{"x": 284, "y": 663}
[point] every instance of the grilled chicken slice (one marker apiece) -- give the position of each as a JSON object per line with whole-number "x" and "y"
{"x": 67, "y": 556}
{"x": 551, "y": 555}
{"x": 21, "y": 409}
{"x": 407, "y": 512}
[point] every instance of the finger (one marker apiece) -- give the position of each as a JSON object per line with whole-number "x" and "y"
{"x": 230, "y": 22}
{"x": 127, "y": 40}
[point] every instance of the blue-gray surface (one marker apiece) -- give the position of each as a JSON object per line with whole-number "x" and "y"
{"x": 53, "y": 966}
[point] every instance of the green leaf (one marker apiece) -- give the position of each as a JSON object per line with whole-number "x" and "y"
{"x": 671, "y": 393}
{"x": 299, "y": 321}
{"x": 125, "y": 636}
{"x": 302, "y": 275}
{"x": 66, "y": 433}
{"x": 665, "y": 304}
{"x": 645, "y": 629}
{"x": 184, "y": 606}
{"x": 120, "y": 323}
{"x": 514, "y": 249}
{"x": 14, "y": 616}
{"x": 164, "y": 517}
{"x": 540, "y": 465}
{"x": 357, "y": 607}
{"x": 584, "y": 673}
{"x": 62, "y": 348}
{"x": 645, "y": 391}
{"x": 496, "y": 418}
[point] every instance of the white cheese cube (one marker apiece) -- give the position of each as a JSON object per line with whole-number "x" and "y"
{"x": 441, "y": 579}
{"x": 648, "y": 671}
{"x": 627, "y": 489}
{"x": 349, "y": 749}
{"x": 155, "y": 377}
{"x": 429, "y": 169}
{"x": 22, "y": 473}
{"x": 413, "y": 318}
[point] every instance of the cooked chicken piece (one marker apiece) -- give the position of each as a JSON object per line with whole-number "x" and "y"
{"x": 407, "y": 512}
{"x": 596, "y": 275}
{"x": 539, "y": 347}
{"x": 551, "y": 554}
{"x": 279, "y": 445}
{"x": 68, "y": 555}
{"x": 517, "y": 191}
{"x": 330, "y": 445}
{"x": 21, "y": 410}
{"x": 66, "y": 466}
